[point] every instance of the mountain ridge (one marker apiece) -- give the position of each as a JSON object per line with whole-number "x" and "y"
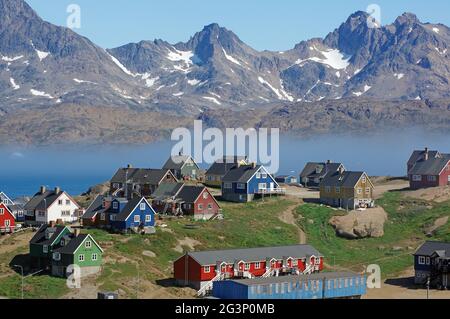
{"x": 215, "y": 73}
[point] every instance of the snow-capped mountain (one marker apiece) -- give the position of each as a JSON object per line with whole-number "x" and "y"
{"x": 43, "y": 65}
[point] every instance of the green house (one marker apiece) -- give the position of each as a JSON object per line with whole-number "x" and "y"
{"x": 79, "y": 250}
{"x": 183, "y": 167}
{"x": 44, "y": 242}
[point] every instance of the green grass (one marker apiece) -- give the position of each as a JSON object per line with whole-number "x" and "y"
{"x": 407, "y": 220}
{"x": 245, "y": 225}
{"x": 37, "y": 287}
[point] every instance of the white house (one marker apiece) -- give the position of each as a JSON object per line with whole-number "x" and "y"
{"x": 55, "y": 205}
{"x": 5, "y": 199}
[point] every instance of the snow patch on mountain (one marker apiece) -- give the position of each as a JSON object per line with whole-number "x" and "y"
{"x": 230, "y": 58}
{"x": 40, "y": 93}
{"x": 331, "y": 57}
{"x": 41, "y": 54}
{"x": 8, "y": 59}
{"x": 14, "y": 84}
{"x": 366, "y": 88}
{"x": 281, "y": 94}
{"x": 193, "y": 82}
{"x": 212, "y": 99}
{"x": 83, "y": 81}
{"x": 121, "y": 66}
{"x": 149, "y": 82}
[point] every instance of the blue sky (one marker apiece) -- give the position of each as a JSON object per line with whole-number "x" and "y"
{"x": 263, "y": 24}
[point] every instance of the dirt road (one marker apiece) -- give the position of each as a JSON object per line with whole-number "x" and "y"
{"x": 403, "y": 288}
{"x": 389, "y": 185}
{"x": 288, "y": 217}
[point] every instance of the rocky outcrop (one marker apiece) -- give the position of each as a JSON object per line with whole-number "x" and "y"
{"x": 360, "y": 224}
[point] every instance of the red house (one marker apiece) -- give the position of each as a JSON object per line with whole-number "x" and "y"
{"x": 431, "y": 169}
{"x": 200, "y": 269}
{"x": 187, "y": 200}
{"x": 7, "y": 220}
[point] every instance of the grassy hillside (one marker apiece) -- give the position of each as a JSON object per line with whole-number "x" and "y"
{"x": 149, "y": 258}
{"x": 404, "y": 232}
{"x": 245, "y": 225}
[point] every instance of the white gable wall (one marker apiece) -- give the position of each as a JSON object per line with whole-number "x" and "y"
{"x": 55, "y": 211}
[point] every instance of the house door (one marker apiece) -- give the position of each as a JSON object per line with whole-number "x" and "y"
{"x": 7, "y": 223}
{"x": 272, "y": 186}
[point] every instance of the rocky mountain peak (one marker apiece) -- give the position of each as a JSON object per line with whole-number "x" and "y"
{"x": 13, "y": 10}
{"x": 406, "y": 19}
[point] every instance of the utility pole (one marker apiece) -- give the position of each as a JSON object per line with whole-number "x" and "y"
{"x": 21, "y": 271}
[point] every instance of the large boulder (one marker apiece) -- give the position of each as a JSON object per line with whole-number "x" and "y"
{"x": 360, "y": 224}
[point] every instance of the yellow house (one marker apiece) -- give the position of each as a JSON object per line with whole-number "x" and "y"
{"x": 349, "y": 190}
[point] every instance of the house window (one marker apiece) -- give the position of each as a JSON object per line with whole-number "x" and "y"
{"x": 258, "y": 175}
{"x": 45, "y": 249}
{"x": 367, "y": 190}
{"x": 103, "y": 216}
{"x": 258, "y": 265}
{"x": 262, "y": 186}
{"x": 421, "y": 260}
{"x": 247, "y": 266}
{"x": 81, "y": 258}
{"x": 228, "y": 185}
{"x": 142, "y": 206}
{"x": 148, "y": 218}
{"x": 88, "y": 244}
{"x": 67, "y": 201}
{"x": 116, "y": 185}
{"x": 240, "y": 186}
{"x": 60, "y": 202}
{"x": 207, "y": 269}
{"x": 94, "y": 257}
{"x": 57, "y": 256}
{"x": 137, "y": 219}
{"x": 115, "y": 205}
{"x": 431, "y": 178}
{"x": 417, "y": 178}
{"x": 210, "y": 206}
{"x": 264, "y": 175}
{"x": 112, "y": 218}
{"x": 2, "y": 211}
{"x": 428, "y": 260}
{"x": 364, "y": 179}
{"x": 359, "y": 191}
{"x": 200, "y": 206}
{"x": 338, "y": 190}
{"x": 65, "y": 213}
{"x": 205, "y": 195}
{"x": 328, "y": 189}
{"x": 317, "y": 261}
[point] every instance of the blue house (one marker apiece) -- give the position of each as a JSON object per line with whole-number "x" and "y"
{"x": 336, "y": 285}
{"x": 243, "y": 183}
{"x": 135, "y": 214}
{"x": 287, "y": 179}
